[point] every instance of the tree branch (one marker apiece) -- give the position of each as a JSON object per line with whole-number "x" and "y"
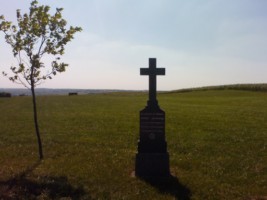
{"x": 25, "y": 85}
{"x": 40, "y": 48}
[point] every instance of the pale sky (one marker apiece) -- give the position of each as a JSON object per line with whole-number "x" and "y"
{"x": 199, "y": 42}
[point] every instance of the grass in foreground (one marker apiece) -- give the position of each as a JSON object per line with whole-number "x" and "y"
{"x": 216, "y": 140}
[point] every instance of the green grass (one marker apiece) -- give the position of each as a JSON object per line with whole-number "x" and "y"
{"x": 217, "y": 141}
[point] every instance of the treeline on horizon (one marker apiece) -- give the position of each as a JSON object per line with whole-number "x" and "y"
{"x": 259, "y": 87}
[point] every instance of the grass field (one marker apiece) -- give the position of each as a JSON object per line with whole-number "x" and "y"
{"x": 217, "y": 141}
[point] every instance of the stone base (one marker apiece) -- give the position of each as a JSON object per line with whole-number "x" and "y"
{"x": 152, "y": 147}
{"x": 152, "y": 165}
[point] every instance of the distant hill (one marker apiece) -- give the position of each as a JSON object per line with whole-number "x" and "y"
{"x": 46, "y": 91}
{"x": 248, "y": 87}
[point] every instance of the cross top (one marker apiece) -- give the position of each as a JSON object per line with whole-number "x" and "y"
{"x": 152, "y": 72}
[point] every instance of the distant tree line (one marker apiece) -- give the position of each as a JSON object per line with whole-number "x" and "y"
{"x": 248, "y": 87}
{"x": 5, "y": 94}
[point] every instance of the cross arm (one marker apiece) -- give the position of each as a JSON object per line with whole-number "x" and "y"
{"x": 160, "y": 71}
{"x": 157, "y": 71}
{"x": 144, "y": 71}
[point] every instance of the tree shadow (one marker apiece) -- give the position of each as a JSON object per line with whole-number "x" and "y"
{"x": 21, "y": 187}
{"x": 169, "y": 185}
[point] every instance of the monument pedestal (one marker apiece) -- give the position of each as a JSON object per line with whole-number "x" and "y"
{"x": 152, "y": 159}
{"x": 152, "y": 165}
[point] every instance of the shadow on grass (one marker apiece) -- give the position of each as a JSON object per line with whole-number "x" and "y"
{"x": 171, "y": 186}
{"x": 21, "y": 187}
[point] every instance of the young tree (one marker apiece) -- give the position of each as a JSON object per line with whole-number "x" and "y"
{"x": 37, "y": 34}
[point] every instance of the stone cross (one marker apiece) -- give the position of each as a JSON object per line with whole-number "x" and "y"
{"x": 152, "y": 158}
{"x": 152, "y": 72}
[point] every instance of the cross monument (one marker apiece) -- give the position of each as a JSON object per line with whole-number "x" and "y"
{"x": 152, "y": 158}
{"x": 152, "y": 72}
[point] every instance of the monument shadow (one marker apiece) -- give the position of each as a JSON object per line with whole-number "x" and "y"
{"x": 169, "y": 185}
{"x": 21, "y": 187}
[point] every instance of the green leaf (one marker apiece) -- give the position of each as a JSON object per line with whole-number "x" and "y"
{"x": 37, "y": 33}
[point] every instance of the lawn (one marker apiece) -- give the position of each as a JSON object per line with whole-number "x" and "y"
{"x": 217, "y": 141}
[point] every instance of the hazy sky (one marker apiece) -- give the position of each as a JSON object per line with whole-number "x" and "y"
{"x": 199, "y": 42}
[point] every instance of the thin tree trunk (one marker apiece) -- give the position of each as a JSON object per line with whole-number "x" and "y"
{"x": 36, "y": 124}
